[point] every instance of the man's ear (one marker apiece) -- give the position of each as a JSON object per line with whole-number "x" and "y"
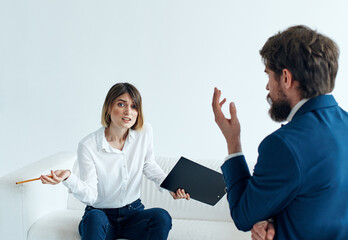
{"x": 287, "y": 78}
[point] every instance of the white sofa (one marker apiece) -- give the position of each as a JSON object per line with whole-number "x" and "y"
{"x": 35, "y": 211}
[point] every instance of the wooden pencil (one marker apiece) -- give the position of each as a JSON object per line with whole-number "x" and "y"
{"x": 30, "y": 180}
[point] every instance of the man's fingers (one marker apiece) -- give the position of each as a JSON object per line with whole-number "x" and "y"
{"x": 216, "y": 97}
{"x": 219, "y": 116}
{"x": 270, "y": 231}
{"x": 216, "y": 101}
{"x": 222, "y": 102}
{"x": 263, "y": 230}
{"x": 270, "y": 236}
{"x": 233, "y": 110}
{"x": 260, "y": 229}
{"x": 255, "y": 235}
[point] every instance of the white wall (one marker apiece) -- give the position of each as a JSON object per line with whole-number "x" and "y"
{"x": 58, "y": 59}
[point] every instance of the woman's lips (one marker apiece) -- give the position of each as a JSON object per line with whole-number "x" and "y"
{"x": 126, "y": 119}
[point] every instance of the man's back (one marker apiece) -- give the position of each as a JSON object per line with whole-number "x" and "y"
{"x": 318, "y": 139}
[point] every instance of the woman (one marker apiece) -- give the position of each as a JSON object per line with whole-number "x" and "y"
{"x": 111, "y": 162}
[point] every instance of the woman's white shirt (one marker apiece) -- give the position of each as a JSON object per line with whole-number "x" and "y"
{"x": 110, "y": 178}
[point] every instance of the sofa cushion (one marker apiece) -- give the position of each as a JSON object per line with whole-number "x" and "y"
{"x": 63, "y": 224}
{"x": 205, "y": 230}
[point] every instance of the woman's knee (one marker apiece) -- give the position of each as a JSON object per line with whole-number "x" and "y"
{"x": 94, "y": 219}
{"x": 96, "y": 216}
{"x": 94, "y": 225}
{"x": 162, "y": 217}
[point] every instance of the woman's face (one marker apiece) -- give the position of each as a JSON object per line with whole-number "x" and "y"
{"x": 123, "y": 112}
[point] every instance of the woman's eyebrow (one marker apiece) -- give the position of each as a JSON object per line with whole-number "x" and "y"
{"x": 122, "y": 100}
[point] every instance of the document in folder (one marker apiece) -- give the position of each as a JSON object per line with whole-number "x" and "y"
{"x": 202, "y": 183}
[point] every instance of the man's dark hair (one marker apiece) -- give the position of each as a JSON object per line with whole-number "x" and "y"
{"x": 311, "y": 57}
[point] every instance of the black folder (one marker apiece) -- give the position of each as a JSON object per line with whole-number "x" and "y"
{"x": 202, "y": 183}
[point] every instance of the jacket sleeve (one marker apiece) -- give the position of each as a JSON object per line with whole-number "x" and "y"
{"x": 275, "y": 183}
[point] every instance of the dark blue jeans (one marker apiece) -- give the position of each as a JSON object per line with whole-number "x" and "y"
{"x": 131, "y": 222}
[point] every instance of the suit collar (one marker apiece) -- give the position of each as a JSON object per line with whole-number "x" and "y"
{"x": 321, "y": 101}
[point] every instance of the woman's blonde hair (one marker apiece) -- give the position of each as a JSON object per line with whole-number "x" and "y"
{"x": 115, "y": 91}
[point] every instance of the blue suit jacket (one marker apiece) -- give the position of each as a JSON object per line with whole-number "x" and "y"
{"x": 300, "y": 179}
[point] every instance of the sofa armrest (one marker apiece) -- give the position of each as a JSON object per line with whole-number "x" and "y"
{"x": 23, "y": 204}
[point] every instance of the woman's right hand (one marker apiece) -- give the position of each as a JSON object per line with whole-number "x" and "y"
{"x": 56, "y": 177}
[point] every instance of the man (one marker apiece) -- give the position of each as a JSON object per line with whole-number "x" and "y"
{"x": 301, "y": 176}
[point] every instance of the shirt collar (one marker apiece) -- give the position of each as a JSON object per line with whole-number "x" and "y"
{"x": 296, "y": 108}
{"x": 131, "y": 134}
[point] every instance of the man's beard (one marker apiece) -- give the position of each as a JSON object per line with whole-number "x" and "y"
{"x": 280, "y": 109}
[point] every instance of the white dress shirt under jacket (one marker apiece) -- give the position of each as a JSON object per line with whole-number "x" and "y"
{"x": 110, "y": 178}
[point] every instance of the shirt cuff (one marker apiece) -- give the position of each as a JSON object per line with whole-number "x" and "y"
{"x": 232, "y": 155}
{"x": 71, "y": 181}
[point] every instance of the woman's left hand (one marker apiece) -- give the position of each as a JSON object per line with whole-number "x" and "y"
{"x": 180, "y": 194}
